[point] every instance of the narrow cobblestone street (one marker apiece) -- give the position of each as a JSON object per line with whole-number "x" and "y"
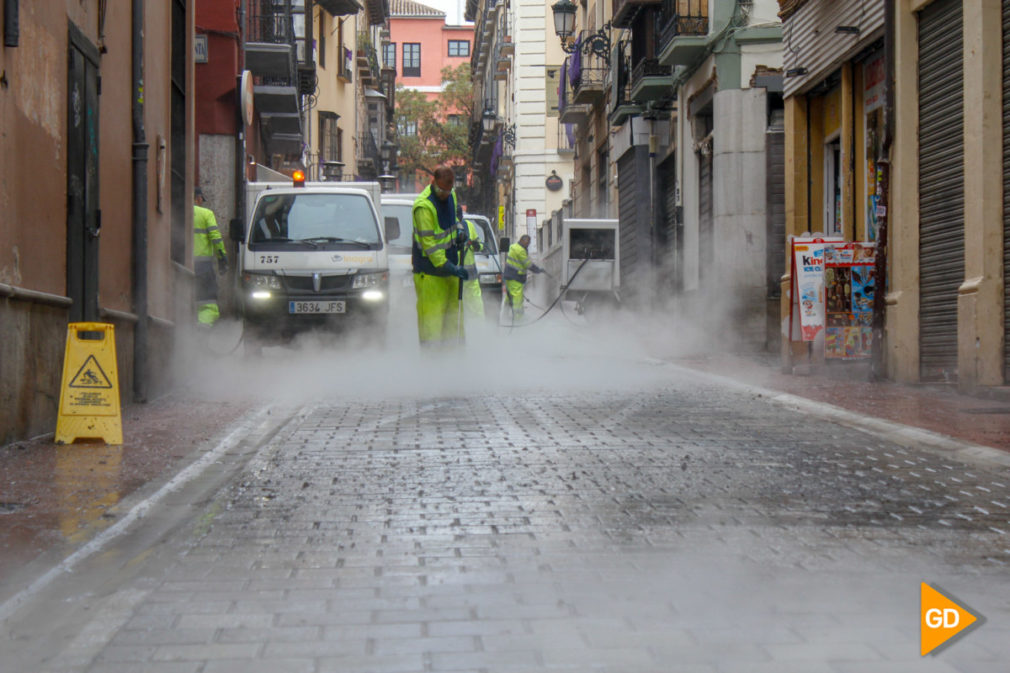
{"x": 599, "y": 513}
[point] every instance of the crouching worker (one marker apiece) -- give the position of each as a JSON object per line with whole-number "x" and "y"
{"x": 516, "y": 266}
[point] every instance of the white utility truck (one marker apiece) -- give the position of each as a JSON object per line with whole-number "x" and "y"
{"x": 312, "y": 255}
{"x": 582, "y": 261}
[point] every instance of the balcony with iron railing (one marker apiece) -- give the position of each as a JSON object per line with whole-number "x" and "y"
{"x": 503, "y": 64}
{"x": 270, "y": 42}
{"x": 683, "y": 31}
{"x": 622, "y": 105}
{"x": 651, "y": 80}
{"x": 568, "y": 111}
{"x": 484, "y": 37}
{"x": 367, "y": 61}
{"x": 369, "y": 158}
{"x": 587, "y": 73}
{"x": 625, "y": 11}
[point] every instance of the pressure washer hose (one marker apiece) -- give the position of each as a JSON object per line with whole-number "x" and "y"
{"x": 563, "y": 292}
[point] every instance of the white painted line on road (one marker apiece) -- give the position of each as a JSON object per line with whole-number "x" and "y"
{"x": 240, "y": 431}
{"x": 899, "y": 433}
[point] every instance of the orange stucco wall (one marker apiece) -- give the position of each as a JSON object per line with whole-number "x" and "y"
{"x": 433, "y": 36}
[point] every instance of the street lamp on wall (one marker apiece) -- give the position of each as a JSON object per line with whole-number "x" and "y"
{"x": 597, "y": 43}
{"x": 489, "y": 119}
{"x": 387, "y": 181}
{"x": 564, "y": 19}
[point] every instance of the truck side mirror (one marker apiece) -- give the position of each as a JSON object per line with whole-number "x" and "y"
{"x": 392, "y": 228}
{"x": 236, "y": 231}
{"x": 504, "y": 243}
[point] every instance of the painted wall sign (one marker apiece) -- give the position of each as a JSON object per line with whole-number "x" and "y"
{"x": 199, "y": 48}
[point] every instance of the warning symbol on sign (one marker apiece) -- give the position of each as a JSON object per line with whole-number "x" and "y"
{"x": 90, "y": 375}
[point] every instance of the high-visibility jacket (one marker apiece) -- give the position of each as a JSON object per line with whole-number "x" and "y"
{"x": 518, "y": 263}
{"x": 207, "y": 240}
{"x": 468, "y": 261}
{"x": 434, "y": 239}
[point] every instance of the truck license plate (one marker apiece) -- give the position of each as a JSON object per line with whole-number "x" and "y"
{"x": 316, "y": 307}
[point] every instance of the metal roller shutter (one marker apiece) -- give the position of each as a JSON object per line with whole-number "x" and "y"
{"x": 672, "y": 244}
{"x": 776, "y": 194}
{"x": 941, "y": 186}
{"x": 706, "y": 224}
{"x": 627, "y": 208}
{"x": 1006, "y": 191}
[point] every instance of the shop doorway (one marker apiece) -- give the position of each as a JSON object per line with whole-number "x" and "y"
{"x": 83, "y": 214}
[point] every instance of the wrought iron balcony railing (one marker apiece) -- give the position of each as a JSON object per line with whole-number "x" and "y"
{"x": 649, "y": 67}
{"x": 682, "y": 17}
{"x": 368, "y": 150}
{"x": 587, "y": 74}
{"x": 270, "y": 26}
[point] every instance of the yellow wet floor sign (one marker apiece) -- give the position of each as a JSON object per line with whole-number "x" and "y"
{"x": 89, "y": 394}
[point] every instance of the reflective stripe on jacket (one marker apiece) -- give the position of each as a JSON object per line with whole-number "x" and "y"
{"x": 517, "y": 263}
{"x": 432, "y": 243}
{"x": 207, "y": 241}
{"x": 468, "y": 260}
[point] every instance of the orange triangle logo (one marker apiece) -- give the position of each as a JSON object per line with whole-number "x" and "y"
{"x": 941, "y": 619}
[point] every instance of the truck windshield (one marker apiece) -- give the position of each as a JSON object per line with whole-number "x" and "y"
{"x": 329, "y": 221}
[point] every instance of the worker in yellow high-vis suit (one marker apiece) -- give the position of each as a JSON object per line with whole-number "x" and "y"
{"x": 207, "y": 245}
{"x": 516, "y": 265}
{"x": 436, "y": 262}
{"x": 473, "y": 302}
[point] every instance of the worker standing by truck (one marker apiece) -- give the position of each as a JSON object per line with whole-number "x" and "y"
{"x": 207, "y": 244}
{"x": 516, "y": 266}
{"x": 473, "y": 302}
{"x": 436, "y": 262}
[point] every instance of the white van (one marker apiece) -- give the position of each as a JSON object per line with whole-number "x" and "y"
{"x": 401, "y": 271}
{"x": 488, "y": 264}
{"x": 312, "y": 256}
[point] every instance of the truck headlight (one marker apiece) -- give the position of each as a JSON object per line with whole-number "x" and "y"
{"x": 366, "y": 280}
{"x": 261, "y": 281}
{"x": 260, "y": 285}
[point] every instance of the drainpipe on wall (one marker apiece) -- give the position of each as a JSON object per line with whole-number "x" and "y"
{"x": 240, "y": 137}
{"x": 140, "y": 147}
{"x": 877, "y": 366}
{"x": 653, "y": 242}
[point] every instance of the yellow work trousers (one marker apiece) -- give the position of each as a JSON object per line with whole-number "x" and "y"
{"x": 208, "y": 314}
{"x": 437, "y": 309}
{"x": 515, "y": 292}
{"x": 473, "y": 302}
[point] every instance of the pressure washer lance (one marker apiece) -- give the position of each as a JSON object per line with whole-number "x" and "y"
{"x": 462, "y": 239}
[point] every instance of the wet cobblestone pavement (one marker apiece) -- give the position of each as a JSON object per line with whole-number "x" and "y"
{"x": 54, "y": 498}
{"x": 638, "y": 517}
